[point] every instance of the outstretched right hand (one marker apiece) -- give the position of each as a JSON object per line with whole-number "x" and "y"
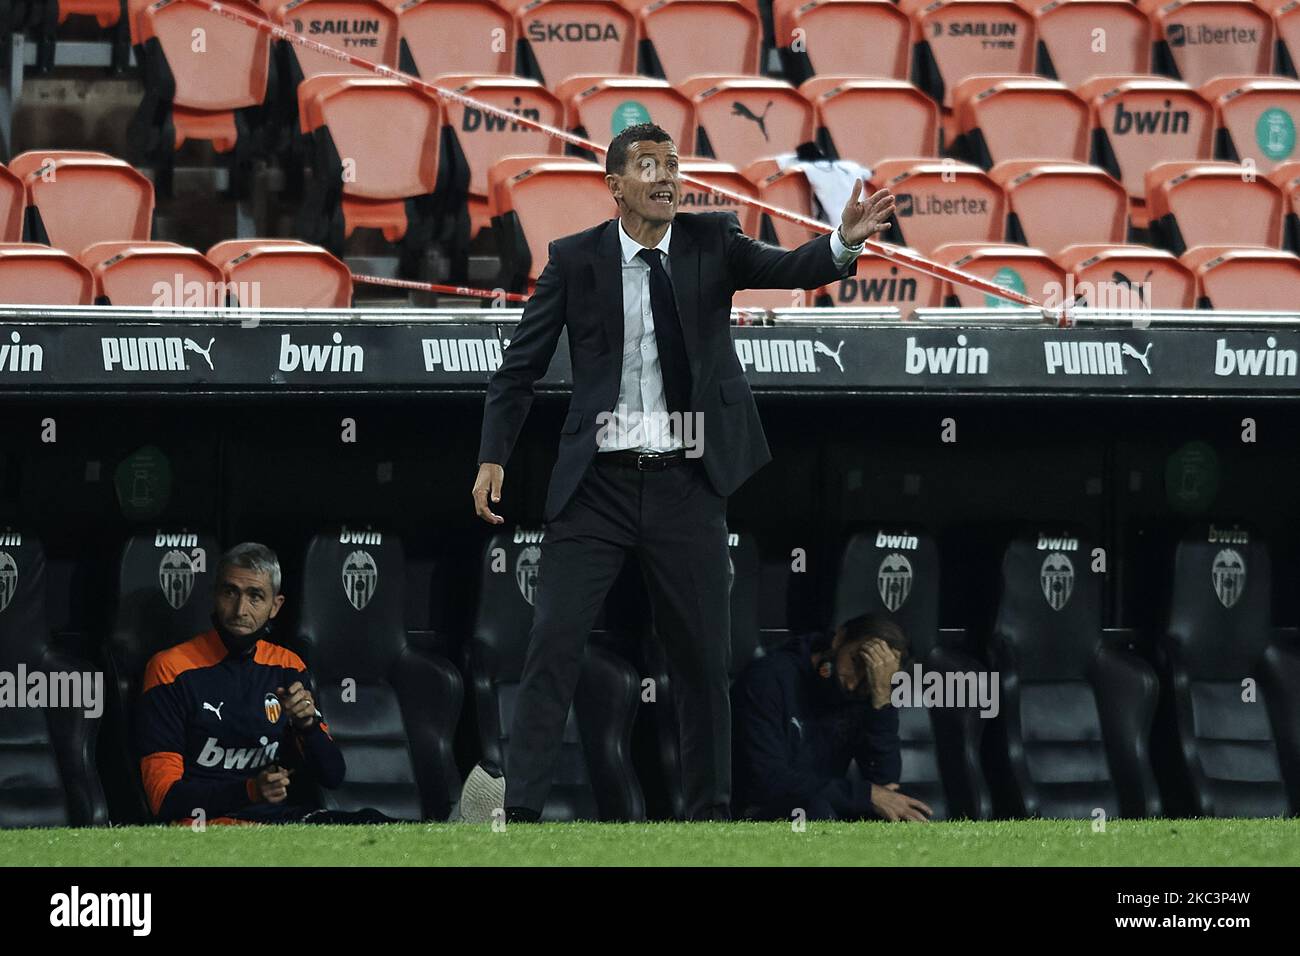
{"x": 489, "y": 481}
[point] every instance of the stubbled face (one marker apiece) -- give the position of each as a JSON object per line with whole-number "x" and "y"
{"x": 244, "y": 600}
{"x": 649, "y": 185}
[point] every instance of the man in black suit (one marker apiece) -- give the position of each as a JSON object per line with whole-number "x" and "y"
{"x": 661, "y": 428}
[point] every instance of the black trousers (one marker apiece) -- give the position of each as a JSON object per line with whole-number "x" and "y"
{"x": 676, "y": 524}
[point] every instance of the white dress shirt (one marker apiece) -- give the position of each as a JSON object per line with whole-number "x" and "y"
{"x": 640, "y": 418}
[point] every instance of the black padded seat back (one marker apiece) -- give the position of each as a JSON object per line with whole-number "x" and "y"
{"x": 1049, "y": 613}
{"x": 353, "y": 636}
{"x": 351, "y": 621}
{"x": 32, "y": 788}
{"x": 1220, "y": 615}
{"x": 1220, "y": 625}
{"x": 508, "y": 589}
{"x": 893, "y": 573}
{"x": 501, "y": 628}
{"x": 165, "y": 581}
{"x": 593, "y": 778}
{"x": 164, "y": 597}
{"x": 1046, "y": 642}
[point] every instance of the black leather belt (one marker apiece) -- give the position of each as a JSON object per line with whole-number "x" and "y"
{"x": 643, "y": 460}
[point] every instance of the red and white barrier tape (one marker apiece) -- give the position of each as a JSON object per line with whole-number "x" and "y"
{"x": 896, "y": 254}
{"x": 445, "y": 289}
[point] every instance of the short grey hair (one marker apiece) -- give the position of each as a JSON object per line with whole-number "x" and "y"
{"x": 254, "y": 557}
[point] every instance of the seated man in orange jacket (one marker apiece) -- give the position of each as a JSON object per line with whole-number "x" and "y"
{"x": 227, "y": 717}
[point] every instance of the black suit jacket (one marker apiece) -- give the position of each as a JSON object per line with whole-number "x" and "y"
{"x": 581, "y": 289}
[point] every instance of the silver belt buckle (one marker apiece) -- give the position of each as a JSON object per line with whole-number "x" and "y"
{"x": 641, "y": 460}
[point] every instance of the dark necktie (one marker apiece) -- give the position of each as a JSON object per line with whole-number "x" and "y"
{"x": 668, "y": 334}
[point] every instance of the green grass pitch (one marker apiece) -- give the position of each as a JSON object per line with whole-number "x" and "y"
{"x": 1272, "y": 842}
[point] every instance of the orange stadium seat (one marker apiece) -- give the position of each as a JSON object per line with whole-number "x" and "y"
{"x": 13, "y": 204}
{"x": 282, "y": 274}
{"x": 762, "y": 11}
{"x": 1118, "y": 276}
{"x": 725, "y": 176}
{"x": 1255, "y": 119}
{"x": 32, "y": 274}
{"x": 447, "y": 36}
{"x": 879, "y": 283}
{"x": 1286, "y": 177}
{"x": 938, "y": 201}
{"x": 682, "y": 38}
{"x": 1051, "y": 205}
{"x": 506, "y": 168}
{"x": 367, "y": 28}
{"x": 212, "y": 90}
{"x": 829, "y": 37}
{"x": 32, "y": 160}
{"x": 1067, "y": 41}
{"x": 377, "y": 162}
{"x": 546, "y": 199}
{"x": 1249, "y": 278}
{"x": 787, "y": 189}
{"x": 561, "y": 38}
{"x": 744, "y": 118}
{"x": 1140, "y": 121}
{"x": 1027, "y": 271}
{"x": 600, "y": 107}
{"x": 1197, "y": 40}
{"x": 1286, "y": 31}
{"x": 1202, "y": 204}
{"x": 154, "y": 274}
{"x": 481, "y": 138}
{"x": 868, "y": 120}
{"x": 77, "y": 201}
{"x": 1018, "y": 117}
{"x": 954, "y": 39}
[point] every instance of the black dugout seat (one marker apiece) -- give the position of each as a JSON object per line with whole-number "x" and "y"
{"x": 1075, "y": 716}
{"x": 47, "y": 753}
{"x": 1230, "y": 713}
{"x": 391, "y": 707}
{"x": 894, "y": 573}
{"x": 594, "y": 779}
{"x": 164, "y": 596}
{"x": 746, "y": 644}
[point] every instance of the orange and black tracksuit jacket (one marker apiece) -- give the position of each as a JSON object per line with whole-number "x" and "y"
{"x": 209, "y": 721}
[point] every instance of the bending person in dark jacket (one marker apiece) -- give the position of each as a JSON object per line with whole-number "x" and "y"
{"x": 804, "y": 711}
